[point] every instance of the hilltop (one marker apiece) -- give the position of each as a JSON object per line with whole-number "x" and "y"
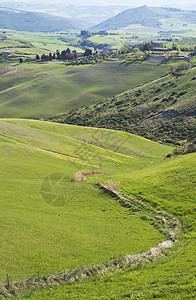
{"x": 154, "y": 17}
{"x": 91, "y": 15}
{"x": 163, "y": 110}
{"x": 35, "y": 22}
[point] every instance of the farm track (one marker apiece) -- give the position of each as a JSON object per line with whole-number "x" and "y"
{"x": 36, "y": 148}
{"x": 169, "y": 223}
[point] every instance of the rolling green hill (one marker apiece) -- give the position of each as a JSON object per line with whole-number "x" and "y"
{"x": 34, "y": 90}
{"x": 35, "y": 22}
{"x": 163, "y": 110}
{"x": 46, "y": 227}
{"x": 70, "y": 231}
{"x": 168, "y": 186}
{"x": 150, "y": 17}
{"x": 27, "y": 44}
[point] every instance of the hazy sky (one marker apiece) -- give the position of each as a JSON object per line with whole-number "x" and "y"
{"x": 131, "y": 3}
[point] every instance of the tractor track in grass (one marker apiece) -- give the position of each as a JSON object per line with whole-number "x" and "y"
{"x": 169, "y": 223}
{"x": 39, "y": 149}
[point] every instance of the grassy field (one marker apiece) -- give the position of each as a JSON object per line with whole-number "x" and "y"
{"x": 42, "y": 90}
{"x": 117, "y": 39}
{"x": 187, "y": 29}
{"x": 54, "y": 236}
{"x": 28, "y": 44}
{"x": 173, "y": 27}
{"x": 69, "y": 230}
{"x": 163, "y": 110}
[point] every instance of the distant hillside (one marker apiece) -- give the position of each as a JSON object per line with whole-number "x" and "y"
{"x": 163, "y": 110}
{"x": 91, "y": 15}
{"x": 35, "y": 22}
{"x": 44, "y": 90}
{"x": 146, "y": 16}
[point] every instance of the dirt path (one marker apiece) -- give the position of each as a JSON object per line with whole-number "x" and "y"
{"x": 170, "y": 224}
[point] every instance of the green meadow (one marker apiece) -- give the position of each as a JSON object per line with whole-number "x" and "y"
{"x": 50, "y": 224}
{"x": 39, "y": 235}
{"x": 127, "y": 36}
{"x": 33, "y": 90}
{"x": 43, "y": 43}
{"x": 162, "y": 110}
{"x": 46, "y": 227}
{"x": 28, "y": 44}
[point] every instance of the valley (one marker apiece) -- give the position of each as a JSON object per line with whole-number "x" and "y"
{"x": 34, "y": 150}
{"x": 97, "y": 151}
{"x": 162, "y": 110}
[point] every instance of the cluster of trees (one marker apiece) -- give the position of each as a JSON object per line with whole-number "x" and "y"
{"x": 181, "y": 68}
{"x": 185, "y": 148}
{"x": 185, "y": 48}
{"x": 64, "y": 55}
{"x": 134, "y": 54}
{"x": 138, "y": 55}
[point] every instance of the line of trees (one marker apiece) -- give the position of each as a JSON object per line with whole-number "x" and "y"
{"x": 64, "y": 55}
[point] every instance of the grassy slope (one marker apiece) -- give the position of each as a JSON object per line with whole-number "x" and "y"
{"x": 44, "y": 148}
{"x": 36, "y": 22}
{"x": 36, "y": 237}
{"x": 153, "y": 17}
{"x": 169, "y": 186}
{"x": 28, "y": 44}
{"x": 117, "y": 40}
{"x": 43, "y": 90}
{"x": 163, "y": 110}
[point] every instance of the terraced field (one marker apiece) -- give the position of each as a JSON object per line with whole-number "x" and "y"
{"x": 48, "y": 222}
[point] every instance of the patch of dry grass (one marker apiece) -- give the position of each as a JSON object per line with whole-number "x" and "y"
{"x": 81, "y": 175}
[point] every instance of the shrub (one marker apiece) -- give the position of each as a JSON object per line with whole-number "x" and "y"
{"x": 81, "y": 175}
{"x": 185, "y": 148}
{"x": 181, "y": 67}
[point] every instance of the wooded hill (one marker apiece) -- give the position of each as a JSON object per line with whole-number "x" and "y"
{"x": 163, "y": 110}
{"x": 147, "y": 16}
{"x": 35, "y": 21}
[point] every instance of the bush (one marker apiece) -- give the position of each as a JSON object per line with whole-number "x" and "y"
{"x": 185, "y": 148}
{"x": 81, "y": 175}
{"x": 183, "y": 66}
